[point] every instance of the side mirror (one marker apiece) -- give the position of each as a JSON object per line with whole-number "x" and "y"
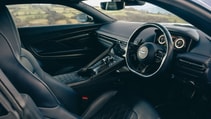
{"x": 84, "y": 18}
{"x": 112, "y": 5}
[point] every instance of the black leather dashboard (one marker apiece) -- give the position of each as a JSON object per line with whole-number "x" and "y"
{"x": 193, "y": 62}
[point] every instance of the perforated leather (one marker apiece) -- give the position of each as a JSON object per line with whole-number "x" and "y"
{"x": 69, "y": 78}
{"x": 54, "y": 99}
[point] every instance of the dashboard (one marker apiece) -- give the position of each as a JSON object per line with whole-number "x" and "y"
{"x": 192, "y": 48}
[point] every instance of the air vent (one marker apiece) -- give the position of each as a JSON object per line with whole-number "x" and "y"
{"x": 190, "y": 69}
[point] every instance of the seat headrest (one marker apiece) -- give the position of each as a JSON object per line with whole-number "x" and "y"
{"x": 8, "y": 29}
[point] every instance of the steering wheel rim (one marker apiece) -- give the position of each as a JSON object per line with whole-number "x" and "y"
{"x": 166, "y": 59}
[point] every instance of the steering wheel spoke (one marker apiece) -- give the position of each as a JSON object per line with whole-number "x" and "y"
{"x": 144, "y": 70}
{"x": 159, "y": 55}
{"x": 148, "y": 68}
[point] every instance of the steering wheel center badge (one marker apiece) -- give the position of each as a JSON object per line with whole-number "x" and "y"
{"x": 143, "y": 52}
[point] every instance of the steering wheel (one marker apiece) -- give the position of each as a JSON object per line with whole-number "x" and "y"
{"x": 144, "y": 56}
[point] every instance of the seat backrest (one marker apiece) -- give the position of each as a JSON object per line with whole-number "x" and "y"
{"x": 25, "y": 73}
{"x": 10, "y": 56}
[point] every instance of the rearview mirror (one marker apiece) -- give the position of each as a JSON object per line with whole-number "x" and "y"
{"x": 118, "y": 5}
{"x": 112, "y": 5}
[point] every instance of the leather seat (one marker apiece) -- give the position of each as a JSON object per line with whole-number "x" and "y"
{"x": 14, "y": 105}
{"x": 54, "y": 99}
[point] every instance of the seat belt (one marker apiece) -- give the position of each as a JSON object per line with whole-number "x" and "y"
{"x": 6, "y": 110}
{"x": 14, "y": 105}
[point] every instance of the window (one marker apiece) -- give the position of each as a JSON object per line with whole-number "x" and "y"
{"x": 46, "y": 14}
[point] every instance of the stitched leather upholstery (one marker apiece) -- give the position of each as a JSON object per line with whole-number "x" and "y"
{"x": 54, "y": 99}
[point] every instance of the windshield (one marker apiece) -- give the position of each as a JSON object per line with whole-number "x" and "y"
{"x": 143, "y": 13}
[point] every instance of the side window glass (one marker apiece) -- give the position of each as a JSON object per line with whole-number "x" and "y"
{"x": 47, "y": 14}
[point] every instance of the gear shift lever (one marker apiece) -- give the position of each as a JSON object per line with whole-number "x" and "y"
{"x": 86, "y": 72}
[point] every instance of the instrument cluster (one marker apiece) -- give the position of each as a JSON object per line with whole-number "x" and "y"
{"x": 179, "y": 41}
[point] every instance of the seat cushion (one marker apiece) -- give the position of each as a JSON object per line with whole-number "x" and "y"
{"x": 126, "y": 106}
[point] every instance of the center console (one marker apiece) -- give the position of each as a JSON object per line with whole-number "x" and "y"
{"x": 102, "y": 65}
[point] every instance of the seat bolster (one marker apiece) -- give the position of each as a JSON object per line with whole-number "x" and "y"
{"x": 8, "y": 29}
{"x": 23, "y": 80}
{"x": 143, "y": 110}
{"x": 67, "y": 97}
{"x": 98, "y": 104}
{"x": 58, "y": 113}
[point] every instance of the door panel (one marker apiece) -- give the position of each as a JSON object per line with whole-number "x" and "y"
{"x": 65, "y": 47}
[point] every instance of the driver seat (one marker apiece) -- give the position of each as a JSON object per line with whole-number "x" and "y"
{"x": 54, "y": 99}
